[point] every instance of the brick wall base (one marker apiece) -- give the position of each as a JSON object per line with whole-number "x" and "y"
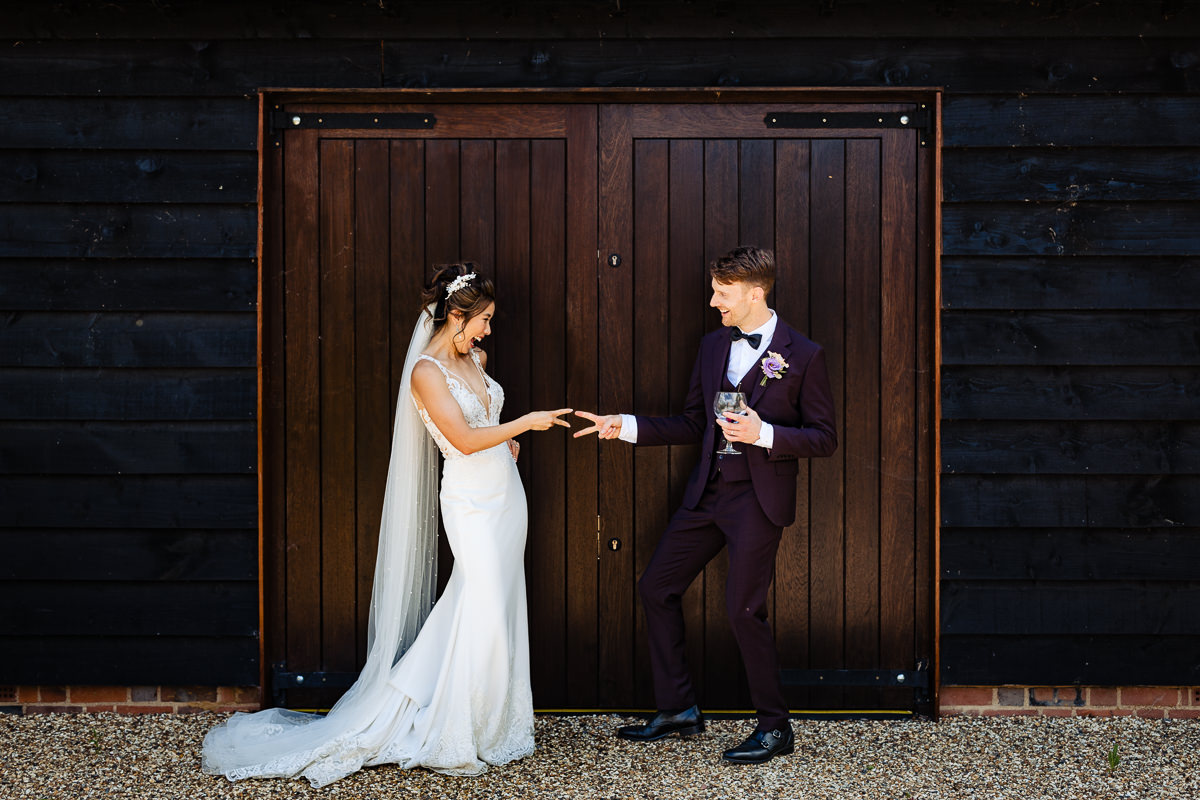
{"x": 1158, "y": 702}
{"x": 128, "y": 699}
{"x": 1155, "y": 702}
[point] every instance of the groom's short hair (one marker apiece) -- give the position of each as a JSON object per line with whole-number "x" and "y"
{"x": 752, "y": 265}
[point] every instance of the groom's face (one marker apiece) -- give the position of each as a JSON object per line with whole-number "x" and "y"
{"x": 734, "y": 300}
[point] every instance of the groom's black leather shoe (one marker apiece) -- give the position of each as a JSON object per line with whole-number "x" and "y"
{"x": 686, "y": 723}
{"x": 762, "y": 746}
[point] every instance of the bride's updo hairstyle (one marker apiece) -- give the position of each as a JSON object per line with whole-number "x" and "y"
{"x": 469, "y": 298}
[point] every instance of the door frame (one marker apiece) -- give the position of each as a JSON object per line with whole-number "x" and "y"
{"x": 269, "y": 308}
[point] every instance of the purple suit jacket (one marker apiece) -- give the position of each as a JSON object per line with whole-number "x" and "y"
{"x": 799, "y": 405}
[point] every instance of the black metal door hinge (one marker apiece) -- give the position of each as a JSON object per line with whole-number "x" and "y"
{"x": 919, "y": 120}
{"x": 282, "y": 680}
{"x": 918, "y": 678}
{"x": 915, "y": 678}
{"x": 299, "y": 120}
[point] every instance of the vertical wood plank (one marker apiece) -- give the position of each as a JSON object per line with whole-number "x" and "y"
{"x": 442, "y": 201}
{"x": 616, "y": 394}
{"x": 756, "y": 221}
{"x": 725, "y": 682}
{"x": 651, "y": 394}
{"x": 898, "y": 384}
{"x": 408, "y": 268}
{"x": 756, "y": 193}
{"x": 827, "y": 312}
{"x": 372, "y": 382}
{"x": 928, "y": 413}
{"x": 509, "y": 353}
{"x": 478, "y": 201}
{"x": 272, "y": 428}
{"x": 792, "y": 579}
{"x": 546, "y": 462}
{"x": 688, "y": 304}
{"x": 337, "y": 351}
{"x": 861, "y": 445}
{"x": 267, "y": 208}
{"x": 582, "y": 393}
{"x": 443, "y": 246}
{"x": 302, "y": 320}
{"x": 409, "y": 272}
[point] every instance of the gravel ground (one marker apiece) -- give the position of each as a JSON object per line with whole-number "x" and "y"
{"x": 68, "y": 757}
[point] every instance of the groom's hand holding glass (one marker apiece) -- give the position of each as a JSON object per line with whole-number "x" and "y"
{"x": 744, "y": 428}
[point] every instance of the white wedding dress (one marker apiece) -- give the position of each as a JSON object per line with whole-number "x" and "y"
{"x": 458, "y": 697}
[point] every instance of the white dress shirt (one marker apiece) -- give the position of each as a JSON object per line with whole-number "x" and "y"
{"x": 742, "y": 359}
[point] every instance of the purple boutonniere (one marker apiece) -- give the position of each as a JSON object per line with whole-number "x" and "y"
{"x": 773, "y": 366}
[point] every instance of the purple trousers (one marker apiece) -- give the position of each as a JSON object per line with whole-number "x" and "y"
{"x": 728, "y": 515}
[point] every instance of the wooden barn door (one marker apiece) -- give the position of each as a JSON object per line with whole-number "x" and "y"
{"x": 367, "y": 200}
{"x": 680, "y": 185}
{"x": 598, "y": 222}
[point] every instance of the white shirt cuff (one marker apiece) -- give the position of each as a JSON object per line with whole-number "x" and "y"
{"x": 628, "y": 429}
{"x": 766, "y": 436}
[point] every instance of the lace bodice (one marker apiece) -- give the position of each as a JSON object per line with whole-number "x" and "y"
{"x": 476, "y": 414}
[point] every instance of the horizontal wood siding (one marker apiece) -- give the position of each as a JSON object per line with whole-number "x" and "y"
{"x": 128, "y": 350}
{"x": 1071, "y": 363}
{"x": 1071, "y": 301}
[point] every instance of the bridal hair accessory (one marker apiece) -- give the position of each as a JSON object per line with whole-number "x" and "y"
{"x": 459, "y": 282}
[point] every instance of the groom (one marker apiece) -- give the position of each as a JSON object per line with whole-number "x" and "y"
{"x": 740, "y": 502}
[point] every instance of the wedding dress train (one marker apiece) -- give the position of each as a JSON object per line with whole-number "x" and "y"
{"x": 458, "y": 698}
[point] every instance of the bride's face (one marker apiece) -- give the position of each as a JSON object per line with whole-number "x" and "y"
{"x": 478, "y": 327}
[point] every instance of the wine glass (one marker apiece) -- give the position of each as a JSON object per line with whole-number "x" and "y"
{"x": 733, "y": 403}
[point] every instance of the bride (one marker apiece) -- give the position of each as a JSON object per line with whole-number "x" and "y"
{"x": 446, "y": 687}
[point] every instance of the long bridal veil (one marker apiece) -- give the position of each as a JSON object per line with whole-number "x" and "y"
{"x": 278, "y": 742}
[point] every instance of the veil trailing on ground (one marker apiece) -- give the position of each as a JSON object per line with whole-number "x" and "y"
{"x": 278, "y": 742}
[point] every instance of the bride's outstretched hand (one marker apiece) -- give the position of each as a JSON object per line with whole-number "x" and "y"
{"x": 544, "y": 420}
{"x": 608, "y": 427}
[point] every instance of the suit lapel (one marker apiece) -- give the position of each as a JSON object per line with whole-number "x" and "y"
{"x": 781, "y": 343}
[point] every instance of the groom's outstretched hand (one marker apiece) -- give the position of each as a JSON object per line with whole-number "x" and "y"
{"x": 608, "y": 427}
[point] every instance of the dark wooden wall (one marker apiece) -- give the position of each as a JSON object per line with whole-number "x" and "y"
{"x": 1070, "y": 277}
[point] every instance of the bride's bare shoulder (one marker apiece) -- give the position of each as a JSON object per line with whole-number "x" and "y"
{"x": 426, "y": 373}
{"x": 482, "y": 355}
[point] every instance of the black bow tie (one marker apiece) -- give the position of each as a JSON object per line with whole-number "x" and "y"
{"x": 755, "y": 339}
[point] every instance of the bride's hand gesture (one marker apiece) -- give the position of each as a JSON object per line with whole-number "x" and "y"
{"x": 544, "y": 420}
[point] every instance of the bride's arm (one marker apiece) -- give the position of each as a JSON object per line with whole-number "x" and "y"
{"x": 430, "y": 390}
